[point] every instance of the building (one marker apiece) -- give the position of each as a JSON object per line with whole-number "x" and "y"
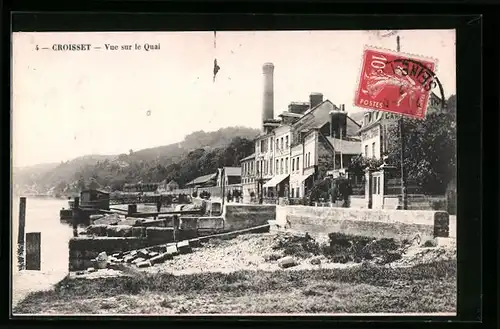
{"x": 94, "y": 199}
{"x": 203, "y": 181}
{"x": 248, "y": 176}
{"x": 168, "y": 187}
{"x": 141, "y": 187}
{"x": 229, "y": 176}
{"x": 377, "y": 125}
{"x": 306, "y": 141}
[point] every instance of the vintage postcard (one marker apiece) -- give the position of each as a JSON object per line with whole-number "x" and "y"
{"x": 241, "y": 173}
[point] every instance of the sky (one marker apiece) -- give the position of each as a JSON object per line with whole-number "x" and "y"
{"x": 67, "y": 104}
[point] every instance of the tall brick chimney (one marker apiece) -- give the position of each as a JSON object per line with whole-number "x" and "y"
{"x": 268, "y": 95}
{"x": 315, "y": 99}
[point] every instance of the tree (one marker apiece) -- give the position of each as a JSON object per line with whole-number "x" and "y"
{"x": 81, "y": 184}
{"x": 430, "y": 149}
{"x": 359, "y": 163}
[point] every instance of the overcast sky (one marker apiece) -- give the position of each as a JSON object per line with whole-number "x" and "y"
{"x": 68, "y": 104}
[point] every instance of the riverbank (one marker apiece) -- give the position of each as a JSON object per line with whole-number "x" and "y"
{"x": 241, "y": 276}
{"x": 427, "y": 288}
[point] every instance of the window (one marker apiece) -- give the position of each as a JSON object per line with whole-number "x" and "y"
{"x": 286, "y": 141}
{"x": 265, "y": 167}
{"x": 262, "y": 146}
{"x": 293, "y": 165}
{"x": 373, "y": 149}
{"x": 277, "y": 166}
{"x": 281, "y": 143}
{"x": 309, "y": 159}
{"x": 293, "y": 190}
{"x": 286, "y": 165}
{"x": 277, "y": 144}
{"x": 270, "y": 144}
{"x": 281, "y": 167}
{"x": 378, "y": 185}
{"x": 270, "y": 167}
{"x": 366, "y": 151}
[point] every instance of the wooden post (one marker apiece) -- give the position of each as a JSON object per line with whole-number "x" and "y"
{"x": 33, "y": 254}
{"x": 404, "y": 195}
{"x": 176, "y": 228}
{"x": 20, "y": 237}
{"x": 76, "y": 216}
{"x": 132, "y": 209}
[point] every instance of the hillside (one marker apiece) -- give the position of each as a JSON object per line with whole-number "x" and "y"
{"x": 118, "y": 169}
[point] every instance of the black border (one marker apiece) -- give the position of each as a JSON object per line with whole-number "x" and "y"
{"x": 469, "y": 91}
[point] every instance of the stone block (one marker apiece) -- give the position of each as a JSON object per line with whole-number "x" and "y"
{"x": 196, "y": 242}
{"x": 188, "y": 223}
{"x": 172, "y": 250}
{"x": 316, "y": 261}
{"x": 143, "y": 253}
{"x": 97, "y": 230}
{"x": 183, "y": 247}
{"x": 187, "y": 234}
{"x": 119, "y": 231}
{"x": 286, "y": 262}
{"x": 129, "y": 259}
{"x": 142, "y": 264}
{"x": 138, "y": 260}
{"x": 160, "y": 258}
{"x": 153, "y": 254}
{"x": 210, "y": 223}
{"x": 159, "y": 235}
{"x": 158, "y": 249}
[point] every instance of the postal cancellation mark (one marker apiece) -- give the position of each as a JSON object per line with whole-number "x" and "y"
{"x": 395, "y": 82}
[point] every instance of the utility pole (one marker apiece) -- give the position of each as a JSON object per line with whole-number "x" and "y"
{"x": 404, "y": 195}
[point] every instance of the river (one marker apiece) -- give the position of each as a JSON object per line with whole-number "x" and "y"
{"x": 42, "y": 215}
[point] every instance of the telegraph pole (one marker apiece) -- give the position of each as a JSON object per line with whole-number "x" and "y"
{"x": 404, "y": 195}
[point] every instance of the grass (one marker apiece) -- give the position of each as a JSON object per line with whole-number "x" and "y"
{"x": 364, "y": 289}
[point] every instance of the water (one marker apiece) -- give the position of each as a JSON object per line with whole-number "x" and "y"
{"x": 42, "y": 215}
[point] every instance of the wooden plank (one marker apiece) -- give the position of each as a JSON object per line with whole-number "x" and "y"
{"x": 33, "y": 251}
{"x": 22, "y": 219}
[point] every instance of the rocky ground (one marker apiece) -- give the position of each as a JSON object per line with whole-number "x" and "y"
{"x": 268, "y": 251}
{"x": 265, "y": 273}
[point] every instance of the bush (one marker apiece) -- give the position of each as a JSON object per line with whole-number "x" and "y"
{"x": 195, "y": 194}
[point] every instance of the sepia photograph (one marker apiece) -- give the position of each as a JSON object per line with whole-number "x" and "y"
{"x": 234, "y": 173}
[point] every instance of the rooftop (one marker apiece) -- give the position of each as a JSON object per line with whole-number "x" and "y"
{"x": 232, "y": 171}
{"x": 345, "y": 147}
{"x": 252, "y": 156}
{"x": 202, "y": 179}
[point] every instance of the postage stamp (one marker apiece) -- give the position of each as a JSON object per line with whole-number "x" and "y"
{"x": 396, "y": 82}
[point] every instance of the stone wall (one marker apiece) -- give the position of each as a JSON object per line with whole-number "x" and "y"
{"x": 83, "y": 249}
{"x": 398, "y": 224}
{"x": 242, "y": 216}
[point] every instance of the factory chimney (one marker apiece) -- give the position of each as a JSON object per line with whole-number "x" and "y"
{"x": 268, "y": 96}
{"x": 315, "y": 99}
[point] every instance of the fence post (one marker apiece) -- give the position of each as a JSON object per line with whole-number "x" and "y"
{"x": 20, "y": 236}
{"x": 33, "y": 253}
{"x": 132, "y": 209}
{"x": 76, "y": 216}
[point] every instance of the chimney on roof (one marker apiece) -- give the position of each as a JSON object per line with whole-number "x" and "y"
{"x": 268, "y": 95}
{"x": 315, "y": 99}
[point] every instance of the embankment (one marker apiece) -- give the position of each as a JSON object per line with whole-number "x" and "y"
{"x": 396, "y": 224}
{"x": 141, "y": 234}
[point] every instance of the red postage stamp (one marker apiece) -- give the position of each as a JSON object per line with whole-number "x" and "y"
{"x": 395, "y": 82}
